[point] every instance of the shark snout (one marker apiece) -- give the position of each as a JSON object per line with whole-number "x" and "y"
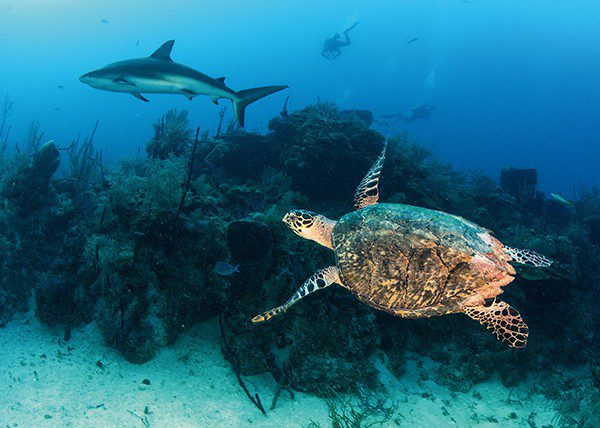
{"x": 85, "y": 78}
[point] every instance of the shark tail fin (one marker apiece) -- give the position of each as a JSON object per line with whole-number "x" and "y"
{"x": 243, "y": 98}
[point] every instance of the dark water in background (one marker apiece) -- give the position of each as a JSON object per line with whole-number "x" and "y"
{"x": 515, "y": 83}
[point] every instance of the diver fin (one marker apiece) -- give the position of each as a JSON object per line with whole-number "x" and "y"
{"x": 139, "y": 96}
{"x": 163, "y": 53}
{"x": 367, "y": 192}
{"x": 220, "y": 79}
{"x": 321, "y": 279}
{"x": 503, "y": 320}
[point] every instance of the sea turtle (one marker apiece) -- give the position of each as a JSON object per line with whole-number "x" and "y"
{"x": 414, "y": 262}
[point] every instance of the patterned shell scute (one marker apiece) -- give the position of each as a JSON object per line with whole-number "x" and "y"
{"x": 415, "y": 261}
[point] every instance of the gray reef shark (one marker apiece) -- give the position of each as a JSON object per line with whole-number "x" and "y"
{"x": 158, "y": 74}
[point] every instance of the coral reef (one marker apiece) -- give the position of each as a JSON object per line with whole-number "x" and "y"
{"x": 132, "y": 247}
{"x": 321, "y": 144}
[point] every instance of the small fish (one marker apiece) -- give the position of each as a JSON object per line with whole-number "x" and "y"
{"x": 226, "y": 269}
{"x": 412, "y": 41}
{"x": 56, "y": 108}
{"x": 137, "y": 43}
{"x": 560, "y": 199}
{"x": 104, "y": 21}
{"x": 61, "y": 87}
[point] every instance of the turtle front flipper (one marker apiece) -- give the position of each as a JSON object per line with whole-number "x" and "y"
{"x": 367, "y": 192}
{"x": 503, "y": 320}
{"x": 319, "y": 280}
{"x": 528, "y": 257}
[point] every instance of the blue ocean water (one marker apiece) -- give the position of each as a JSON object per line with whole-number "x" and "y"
{"x": 514, "y": 82}
{"x": 121, "y": 301}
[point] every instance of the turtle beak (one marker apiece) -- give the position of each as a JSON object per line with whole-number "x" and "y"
{"x": 287, "y": 219}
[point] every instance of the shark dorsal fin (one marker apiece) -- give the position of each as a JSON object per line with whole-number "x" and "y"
{"x": 221, "y": 79}
{"x": 164, "y": 52}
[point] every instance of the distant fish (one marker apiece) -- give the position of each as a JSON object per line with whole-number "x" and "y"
{"x": 61, "y": 87}
{"x": 56, "y": 108}
{"x": 226, "y": 269}
{"x": 412, "y": 41}
{"x": 104, "y": 21}
{"x": 560, "y": 199}
{"x": 137, "y": 43}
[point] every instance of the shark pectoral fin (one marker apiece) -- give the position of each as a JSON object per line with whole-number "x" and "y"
{"x": 220, "y": 79}
{"x": 139, "y": 96}
{"x": 188, "y": 94}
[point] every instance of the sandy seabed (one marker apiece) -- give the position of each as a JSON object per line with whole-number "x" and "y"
{"x": 47, "y": 382}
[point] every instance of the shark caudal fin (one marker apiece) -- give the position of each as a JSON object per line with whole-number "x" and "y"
{"x": 243, "y": 98}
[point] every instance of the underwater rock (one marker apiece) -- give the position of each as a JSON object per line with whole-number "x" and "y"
{"x": 55, "y": 302}
{"x": 417, "y": 178}
{"x": 29, "y": 188}
{"x": 249, "y": 241}
{"x": 6, "y": 310}
{"x": 131, "y": 334}
{"x": 164, "y": 231}
{"x": 331, "y": 341}
{"x": 330, "y": 375}
{"x": 557, "y": 213}
{"x": 462, "y": 370}
{"x": 453, "y": 378}
{"x": 519, "y": 183}
{"x": 596, "y": 376}
{"x": 250, "y": 244}
{"x": 324, "y": 150}
{"x": 592, "y": 223}
{"x": 366, "y": 116}
{"x": 243, "y": 156}
{"x": 394, "y": 342}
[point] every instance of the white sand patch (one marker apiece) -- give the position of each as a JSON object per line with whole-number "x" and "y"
{"x": 46, "y": 382}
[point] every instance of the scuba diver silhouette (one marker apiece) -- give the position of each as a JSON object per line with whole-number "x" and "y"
{"x": 422, "y": 111}
{"x": 333, "y": 43}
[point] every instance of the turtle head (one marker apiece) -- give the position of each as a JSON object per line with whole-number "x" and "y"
{"x": 309, "y": 225}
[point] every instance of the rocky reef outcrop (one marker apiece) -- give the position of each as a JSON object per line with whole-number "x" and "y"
{"x": 133, "y": 247}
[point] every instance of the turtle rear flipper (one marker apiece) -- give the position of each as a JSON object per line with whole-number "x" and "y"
{"x": 367, "y": 192}
{"x": 319, "y": 280}
{"x": 503, "y": 320}
{"x": 528, "y": 257}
